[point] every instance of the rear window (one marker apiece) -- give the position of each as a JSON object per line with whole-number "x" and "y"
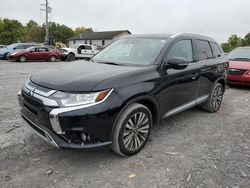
{"x": 216, "y": 50}
{"x": 204, "y": 50}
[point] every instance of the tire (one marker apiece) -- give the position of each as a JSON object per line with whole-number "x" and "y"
{"x": 128, "y": 138}
{"x": 52, "y": 58}
{"x": 22, "y": 59}
{"x": 215, "y": 99}
{"x": 71, "y": 57}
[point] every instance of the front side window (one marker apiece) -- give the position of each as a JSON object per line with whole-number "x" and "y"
{"x": 136, "y": 51}
{"x": 182, "y": 49}
{"x": 204, "y": 50}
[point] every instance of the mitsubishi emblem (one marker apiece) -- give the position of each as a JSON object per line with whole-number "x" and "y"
{"x": 32, "y": 91}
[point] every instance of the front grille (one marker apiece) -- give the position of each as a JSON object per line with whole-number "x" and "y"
{"x": 236, "y": 72}
{"x": 31, "y": 101}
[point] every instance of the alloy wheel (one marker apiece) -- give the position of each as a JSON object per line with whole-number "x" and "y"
{"x": 136, "y": 131}
{"x": 217, "y": 98}
{"x": 52, "y": 58}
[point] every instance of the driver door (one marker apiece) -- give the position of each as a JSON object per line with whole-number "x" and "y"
{"x": 180, "y": 87}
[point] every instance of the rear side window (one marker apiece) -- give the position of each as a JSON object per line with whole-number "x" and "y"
{"x": 204, "y": 50}
{"x": 183, "y": 49}
{"x": 216, "y": 50}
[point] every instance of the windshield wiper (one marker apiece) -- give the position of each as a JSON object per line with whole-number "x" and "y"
{"x": 241, "y": 59}
{"x": 111, "y": 63}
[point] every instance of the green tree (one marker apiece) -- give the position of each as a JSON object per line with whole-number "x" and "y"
{"x": 60, "y": 32}
{"x": 226, "y": 47}
{"x": 247, "y": 38}
{"x": 234, "y": 41}
{"x": 11, "y": 31}
{"x": 34, "y": 32}
{"x": 80, "y": 30}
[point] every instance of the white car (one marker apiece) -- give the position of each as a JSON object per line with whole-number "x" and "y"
{"x": 83, "y": 51}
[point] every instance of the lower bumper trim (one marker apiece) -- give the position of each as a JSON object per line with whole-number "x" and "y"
{"x": 40, "y": 132}
{"x": 58, "y": 142}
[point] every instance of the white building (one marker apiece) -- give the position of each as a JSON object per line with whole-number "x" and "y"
{"x": 99, "y": 39}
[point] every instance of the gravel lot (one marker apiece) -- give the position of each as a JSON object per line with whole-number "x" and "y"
{"x": 191, "y": 149}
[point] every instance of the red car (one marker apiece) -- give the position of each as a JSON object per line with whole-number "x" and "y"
{"x": 239, "y": 67}
{"x": 35, "y": 53}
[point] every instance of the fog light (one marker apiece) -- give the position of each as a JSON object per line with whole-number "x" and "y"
{"x": 83, "y": 137}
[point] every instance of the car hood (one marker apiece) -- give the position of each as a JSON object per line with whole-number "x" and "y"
{"x": 239, "y": 65}
{"x": 70, "y": 49}
{"x": 79, "y": 76}
{"x": 4, "y": 50}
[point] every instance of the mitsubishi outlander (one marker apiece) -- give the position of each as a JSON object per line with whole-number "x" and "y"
{"x": 114, "y": 99}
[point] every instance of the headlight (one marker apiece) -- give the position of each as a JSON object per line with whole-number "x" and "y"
{"x": 14, "y": 53}
{"x": 75, "y": 99}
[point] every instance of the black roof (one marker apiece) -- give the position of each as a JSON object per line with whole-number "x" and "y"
{"x": 98, "y": 35}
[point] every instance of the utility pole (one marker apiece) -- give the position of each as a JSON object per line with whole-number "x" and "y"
{"x": 47, "y": 19}
{"x": 45, "y": 7}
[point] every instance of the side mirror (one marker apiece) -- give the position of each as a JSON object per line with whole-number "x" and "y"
{"x": 177, "y": 63}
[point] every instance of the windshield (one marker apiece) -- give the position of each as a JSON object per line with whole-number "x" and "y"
{"x": 11, "y": 46}
{"x": 136, "y": 51}
{"x": 240, "y": 54}
{"x": 30, "y": 48}
{"x": 74, "y": 46}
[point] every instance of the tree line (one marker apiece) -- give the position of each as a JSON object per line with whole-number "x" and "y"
{"x": 235, "y": 41}
{"x": 12, "y": 31}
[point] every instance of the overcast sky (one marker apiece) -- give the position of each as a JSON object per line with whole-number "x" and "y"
{"x": 216, "y": 18}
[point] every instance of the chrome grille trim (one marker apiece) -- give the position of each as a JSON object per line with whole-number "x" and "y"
{"x": 38, "y": 94}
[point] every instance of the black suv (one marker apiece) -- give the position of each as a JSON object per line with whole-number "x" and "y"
{"x": 116, "y": 98}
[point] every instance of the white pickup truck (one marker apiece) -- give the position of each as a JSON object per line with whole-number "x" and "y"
{"x": 83, "y": 51}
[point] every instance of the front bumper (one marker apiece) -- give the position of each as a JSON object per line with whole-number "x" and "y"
{"x": 59, "y": 142}
{"x": 2, "y": 56}
{"x": 239, "y": 80}
{"x": 64, "y": 56}
{"x": 11, "y": 57}
{"x": 62, "y": 127}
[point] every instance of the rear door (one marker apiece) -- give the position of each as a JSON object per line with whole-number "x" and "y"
{"x": 207, "y": 60}
{"x": 179, "y": 86}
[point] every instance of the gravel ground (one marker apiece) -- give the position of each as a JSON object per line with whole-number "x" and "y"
{"x": 191, "y": 149}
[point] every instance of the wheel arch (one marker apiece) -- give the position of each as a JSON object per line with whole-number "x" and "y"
{"x": 222, "y": 81}
{"x": 71, "y": 53}
{"x": 146, "y": 100}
